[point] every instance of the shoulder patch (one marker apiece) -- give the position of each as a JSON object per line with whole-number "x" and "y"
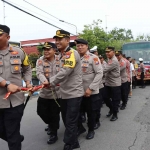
{"x": 40, "y": 62}
{"x": 68, "y": 54}
{"x": 121, "y": 64}
{"x": 96, "y": 61}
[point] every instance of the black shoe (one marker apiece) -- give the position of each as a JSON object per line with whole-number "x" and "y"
{"x": 142, "y": 87}
{"x": 122, "y": 107}
{"x": 49, "y": 131}
{"x": 90, "y": 135}
{"x": 83, "y": 118}
{"x": 114, "y": 118}
{"x": 52, "y": 139}
{"x": 97, "y": 125}
{"x": 76, "y": 145}
{"x": 68, "y": 147}
{"x": 22, "y": 138}
{"x": 109, "y": 114}
{"x": 81, "y": 130}
{"x": 46, "y": 129}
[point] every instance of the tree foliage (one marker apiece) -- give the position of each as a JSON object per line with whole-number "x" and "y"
{"x": 33, "y": 58}
{"x": 143, "y": 37}
{"x": 96, "y": 36}
{"x": 121, "y": 34}
{"x": 40, "y": 49}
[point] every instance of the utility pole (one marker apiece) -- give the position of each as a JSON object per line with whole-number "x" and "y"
{"x": 4, "y": 12}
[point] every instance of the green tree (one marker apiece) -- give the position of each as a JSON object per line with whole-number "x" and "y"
{"x": 143, "y": 37}
{"x": 33, "y": 58}
{"x": 121, "y": 34}
{"x": 40, "y": 49}
{"x": 95, "y": 35}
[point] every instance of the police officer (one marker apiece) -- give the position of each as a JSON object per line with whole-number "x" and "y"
{"x": 134, "y": 76}
{"x": 71, "y": 87}
{"x": 92, "y": 76}
{"x": 47, "y": 107}
{"x": 94, "y": 50}
{"x": 112, "y": 83}
{"x": 13, "y": 64}
{"x": 101, "y": 90}
{"x": 103, "y": 62}
{"x": 124, "y": 79}
{"x": 142, "y": 70}
{"x": 128, "y": 73}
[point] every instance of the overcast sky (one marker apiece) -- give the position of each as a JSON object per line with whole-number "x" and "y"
{"x": 129, "y": 14}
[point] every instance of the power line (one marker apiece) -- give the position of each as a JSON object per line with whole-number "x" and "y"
{"x": 51, "y": 15}
{"x": 38, "y": 14}
{"x": 31, "y": 15}
{"x": 41, "y": 9}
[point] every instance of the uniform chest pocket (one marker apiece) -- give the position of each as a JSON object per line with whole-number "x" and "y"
{"x": 1, "y": 66}
{"x": 15, "y": 65}
{"x": 85, "y": 67}
{"x": 47, "y": 71}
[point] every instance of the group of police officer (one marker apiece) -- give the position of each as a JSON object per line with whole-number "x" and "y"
{"x": 76, "y": 82}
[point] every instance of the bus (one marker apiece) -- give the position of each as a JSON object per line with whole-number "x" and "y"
{"x": 16, "y": 44}
{"x": 138, "y": 50}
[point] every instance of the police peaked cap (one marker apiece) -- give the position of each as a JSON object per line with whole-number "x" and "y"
{"x": 110, "y": 48}
{"x": 140, "y": 59}
{"x": 61, "y": 34}
{"x": 81, "y": 41}
{"x": 4, "y": 29}
{"x": 49, "y": 45}
{"x": 100, "y": 56}
{"x": 118, "y": 52}
{"x": 94, "y": 49}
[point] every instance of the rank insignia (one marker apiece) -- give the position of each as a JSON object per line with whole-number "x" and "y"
{"x": 16, "y": 61}
{"x": 86, "y": 57}
{"x": 84, "y": 65}
{"x": 47, "y": 70}
{"x": 46, "y": 64}
{"x": 16, "y": 68}
{"x": 14, "y": 53}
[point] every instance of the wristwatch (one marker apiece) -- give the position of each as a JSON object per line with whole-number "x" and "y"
{"x": 7, "y": 83}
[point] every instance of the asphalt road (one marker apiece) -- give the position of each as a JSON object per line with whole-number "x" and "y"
{"x": 130, "y": 132}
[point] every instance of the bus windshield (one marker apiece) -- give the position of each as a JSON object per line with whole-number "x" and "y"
{"x": 137, "y": 50}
